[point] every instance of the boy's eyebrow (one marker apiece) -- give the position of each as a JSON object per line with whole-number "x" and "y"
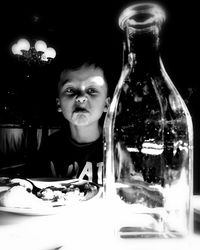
{"x": 97, "y": 79}
{"x": 66, "y": 81}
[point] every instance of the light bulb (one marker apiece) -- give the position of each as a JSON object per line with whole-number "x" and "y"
{"x": 15, "y": 49}
{"x": 40, "y": 46}
{"x": 23, "y": 44}
{"x": 50, "y": 52}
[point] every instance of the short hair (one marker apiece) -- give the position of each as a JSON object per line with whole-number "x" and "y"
{"x": 73, "y": 58}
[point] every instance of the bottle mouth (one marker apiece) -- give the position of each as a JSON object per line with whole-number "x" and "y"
{"x": 141, "y": 16}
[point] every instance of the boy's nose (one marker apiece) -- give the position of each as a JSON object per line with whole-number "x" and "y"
{"x": 81, "y": 99}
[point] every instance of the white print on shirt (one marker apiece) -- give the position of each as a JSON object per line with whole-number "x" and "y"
{"x": 72, "y": 168}
{"x": 87, "y": 171}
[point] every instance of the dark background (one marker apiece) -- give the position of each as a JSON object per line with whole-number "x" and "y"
{"x": 27, "y": 94}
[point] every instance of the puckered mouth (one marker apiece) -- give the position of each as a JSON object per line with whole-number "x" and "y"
{"x": 80, "y": 110}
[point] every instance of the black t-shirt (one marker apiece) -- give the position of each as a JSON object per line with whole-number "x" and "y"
{"x": 60, "y": 156}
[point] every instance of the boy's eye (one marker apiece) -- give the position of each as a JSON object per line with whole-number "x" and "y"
{"x": 69, "y": 91}
{"x": 92, "y": 91}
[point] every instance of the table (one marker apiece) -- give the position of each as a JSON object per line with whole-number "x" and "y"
{"x": 85, "y": 228}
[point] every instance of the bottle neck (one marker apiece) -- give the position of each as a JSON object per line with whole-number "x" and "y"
{"x": 144, "y": 45}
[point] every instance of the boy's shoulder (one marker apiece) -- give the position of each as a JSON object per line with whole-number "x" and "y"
{"x": 58, "y": 135}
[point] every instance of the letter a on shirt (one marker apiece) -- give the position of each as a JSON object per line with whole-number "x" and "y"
{"x": 87, "y": 171}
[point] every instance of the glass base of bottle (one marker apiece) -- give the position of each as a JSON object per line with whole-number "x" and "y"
{"x": 146, "y": 233}
{"x": 148, "y": 225}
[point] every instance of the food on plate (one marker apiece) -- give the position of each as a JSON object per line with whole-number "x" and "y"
{"x": 18, "y": 196}
{"x": 22, "y": 193}
{"x": 22, "y": 182}
{"x": 73, "y": 192}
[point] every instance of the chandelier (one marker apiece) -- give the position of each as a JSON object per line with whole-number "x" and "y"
{"x": 39, "y": 53}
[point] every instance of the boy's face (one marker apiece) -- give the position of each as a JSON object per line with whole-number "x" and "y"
{"x": 83, "y": 95}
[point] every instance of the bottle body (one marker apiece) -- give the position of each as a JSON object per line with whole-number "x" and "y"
{"x": 148, "y": 146}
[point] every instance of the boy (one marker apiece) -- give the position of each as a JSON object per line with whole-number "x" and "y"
{"x": 76, "y": 151}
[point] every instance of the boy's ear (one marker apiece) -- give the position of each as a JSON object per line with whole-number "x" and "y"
{"x": 58, "y": 105}
{"x": 107, "y": 104}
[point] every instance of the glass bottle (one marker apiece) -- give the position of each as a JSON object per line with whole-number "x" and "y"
{"x": 148, "y": 137}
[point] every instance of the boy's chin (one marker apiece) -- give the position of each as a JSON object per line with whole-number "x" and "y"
{"x": 80, "y": 120}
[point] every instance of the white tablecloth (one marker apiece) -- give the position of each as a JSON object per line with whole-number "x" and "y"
{"x": 77, "y": 228}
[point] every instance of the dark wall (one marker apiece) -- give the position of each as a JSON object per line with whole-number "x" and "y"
{"x": 29, "y": 93}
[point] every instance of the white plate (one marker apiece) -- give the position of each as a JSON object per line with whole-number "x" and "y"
{"x": 45, "y": 182}
{"x": 33, "y": 211}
